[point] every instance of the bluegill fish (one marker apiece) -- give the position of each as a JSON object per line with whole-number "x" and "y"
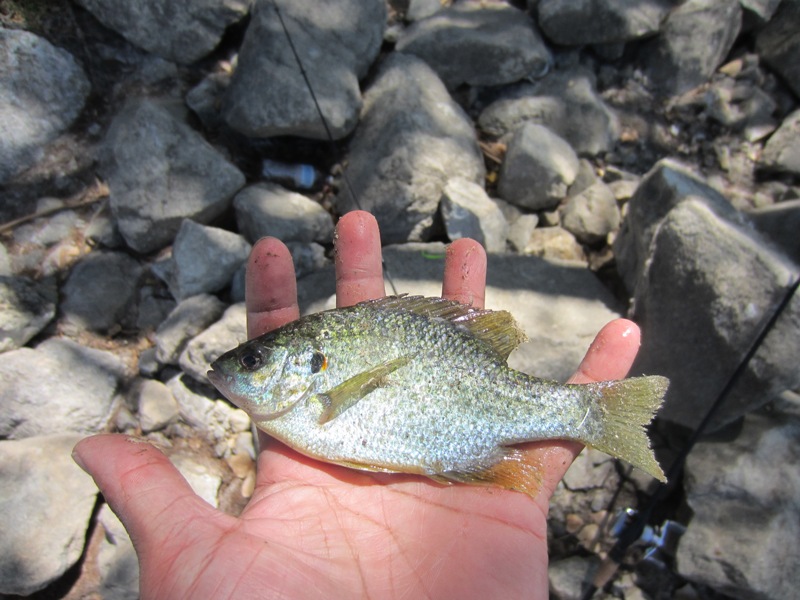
{"x": 421, "y": 385}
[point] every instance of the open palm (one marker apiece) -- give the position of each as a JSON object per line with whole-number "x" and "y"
{"x": 318, "y": 530}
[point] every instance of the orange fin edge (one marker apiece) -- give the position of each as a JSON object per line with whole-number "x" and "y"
{"x": 515, "y": 470}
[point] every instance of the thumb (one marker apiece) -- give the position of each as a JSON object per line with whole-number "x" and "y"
{"x": 141, "y": 486}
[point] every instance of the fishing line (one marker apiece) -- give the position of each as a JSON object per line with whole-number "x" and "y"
{"x": 328, "y": 133}
{"x": 633, "y": 530}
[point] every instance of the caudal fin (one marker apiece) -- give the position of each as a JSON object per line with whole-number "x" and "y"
{"x": 627, "y": 408}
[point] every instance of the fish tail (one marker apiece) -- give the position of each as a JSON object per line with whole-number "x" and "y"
{"x": 627, "y": 406}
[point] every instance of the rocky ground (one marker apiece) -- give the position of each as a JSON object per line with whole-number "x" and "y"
{"x": 615, "y": 158}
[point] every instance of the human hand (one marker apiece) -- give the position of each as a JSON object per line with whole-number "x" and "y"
{"x": 313, "y": 529}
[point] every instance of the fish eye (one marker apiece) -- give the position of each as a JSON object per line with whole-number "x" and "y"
{"x": 319, "y": 362}
{"x": 251, "y": 359}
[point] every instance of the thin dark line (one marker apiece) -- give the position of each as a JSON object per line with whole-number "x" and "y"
{"x": 328, "y": 132}
{"x": 634, "y": 529}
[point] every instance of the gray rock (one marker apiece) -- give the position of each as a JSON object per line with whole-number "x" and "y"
{"x": 780, "y": 224}
{"x": 203, "y": 474}
{"x": 569, "y": 577}
{"x": 591, "y": 469}
{"x": 555, "y": 243}
{"x": 745, "y": 489}
{"x": 782, "y": 150}
{"x": 520, "y": 231}
{"x": 57, "y": 387}
{"x": 742, "y": 106}
{"x": 46, "y": 504}
{"x": 778, "y": 44}
{"x": 26, "y": 307}
{"x": 692, "y": 43}
{"x": 216, "y": 421}
{"x": 160, "y": 172}
{"x": 205, "y": 99}
{"x": 148, "y": 365}
{"x": 581, "y": 22}
{"x": 478, "y": 44}
{"x": 270, "y": 209}
{"x": 666, "y": 185}
{"x": 468, "y": 211}
{"x": 560, "y": 307}
{"x": 307, "y": 258}
{"x": 204, "y": 259}
{"x": 411, "y": 140}
{"x": 51, "y": 229}
{"x": 102, "y": 230}
{"x": 154, "y": 307}
{"x": 227, "y": 333}
{"x": 157, "y": 406}
{"x": 565, "y": 102}
{"x": 101, "y": 290}
{"x": 5, "y": 261}
{"x": 698, "y": 255}
{"x": 42, "y": 91}
{"x": 538, "y": 169}
{"x": 592, "y": 214}
{"x": 421, "y": 9}
{"x": 336, "y": 42}
{"x": 179, "y": 31}
{"x": 763, "y": 9}
{"x": 186, "y": 320}
{"x": 117, "y": 562}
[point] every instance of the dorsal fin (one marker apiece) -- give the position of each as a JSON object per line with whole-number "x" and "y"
{"x": 498, "y": 329}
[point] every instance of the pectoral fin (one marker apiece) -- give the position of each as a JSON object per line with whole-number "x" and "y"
{"x": 513, "y": 469}
{"x": 338, "y": 399}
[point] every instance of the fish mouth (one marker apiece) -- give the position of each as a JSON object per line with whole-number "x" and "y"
{"x": 223, "y": 382}
{"x": 216, "y": 378}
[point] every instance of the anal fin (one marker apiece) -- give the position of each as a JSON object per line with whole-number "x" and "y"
{"x": 513, "y": 470}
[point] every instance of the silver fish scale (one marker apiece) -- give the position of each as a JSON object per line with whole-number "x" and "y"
{"x": 449, "y": 408}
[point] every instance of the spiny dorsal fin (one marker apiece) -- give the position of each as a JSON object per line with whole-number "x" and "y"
{"x": 498, "y": 329}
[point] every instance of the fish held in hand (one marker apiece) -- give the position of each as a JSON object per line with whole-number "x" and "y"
{"x": 422, "y": 385}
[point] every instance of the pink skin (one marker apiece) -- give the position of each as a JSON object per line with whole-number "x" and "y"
{"x": 318, "y": 530}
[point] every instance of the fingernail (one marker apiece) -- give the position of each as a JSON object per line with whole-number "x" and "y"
{"x": 77, "y": 457}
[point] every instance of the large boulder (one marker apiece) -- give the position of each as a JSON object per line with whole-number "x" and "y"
{"x": 336, "y": 42}
{"x": 57, "y": 387}
{"x": 538, "y": 169}
{"x": 688, "y": 243}
{"x": 580, "y": 22}
{"x": 748, "y": 489}
{"x": 565, "y": 101}
{"x": 181, "y": 32}
{"x": 778, "y": 44}
{"x": 42, "y": 91}
{"x": 46, "y": 504}
{"x": 26, "y": 307}
{"x": 160, "y": 171}
{"x": 204, "y": 260}
{"x": 782, "y": 150}
{"x": 692, "y": 43}
{"x": 101, "y": 291}
{"x": 412, "y": 139}
{"x": 478, "y": 44}
{"x": 270, "y": 209}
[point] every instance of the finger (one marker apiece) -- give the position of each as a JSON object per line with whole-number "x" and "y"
{"x": 357, "y": 256}
{"x": 465, "y": 273}
{"x": 611, "y": 354}
{"x": 270, "y": 287}
{"x": 141, "y": 486}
